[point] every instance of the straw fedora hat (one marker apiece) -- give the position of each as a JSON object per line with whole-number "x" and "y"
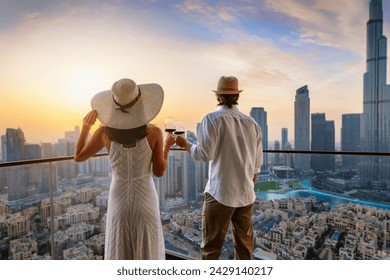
{"x": 128, "y": 105}
{"x": 227, "y": 85}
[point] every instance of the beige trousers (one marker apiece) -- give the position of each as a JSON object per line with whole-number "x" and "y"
{"x": 216, "y": 218}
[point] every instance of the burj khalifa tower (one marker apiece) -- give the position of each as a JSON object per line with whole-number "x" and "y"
{"x": 375, "y": 130}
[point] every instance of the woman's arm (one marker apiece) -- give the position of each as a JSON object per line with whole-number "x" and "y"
{"x": 84, "y": 148}
{"x": 160, "y": 150}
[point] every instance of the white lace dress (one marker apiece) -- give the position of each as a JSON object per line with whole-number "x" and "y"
{"x": 133, "y": 227}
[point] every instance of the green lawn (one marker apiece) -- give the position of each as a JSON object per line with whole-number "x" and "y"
{"x": 266, "y": 186}
{"x": 295, "y": 184}
{"x": 272, "y": 185}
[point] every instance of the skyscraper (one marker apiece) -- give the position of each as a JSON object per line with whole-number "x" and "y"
{"x": 284, "y": 137}
{"x": 285, "y": 159}
{"x": 330, "y": 145}
{"x": 375, "y": 126}
{"x": 47, "y": 150}
{"x": 350, "y": 138}
{"x": 27, "y": 185}
{"x": 322, "y": 139}
{"x": 260, "y": 116}
{"x": 32, "y": 151}
{"x": 317, "y": 140}
{"x": 3, "y": 148}
{"x": 277, "y": 155}
{"x": 189, "y": 175}
{"x": 15, "y": 141}
{"x": 302, "y": 128}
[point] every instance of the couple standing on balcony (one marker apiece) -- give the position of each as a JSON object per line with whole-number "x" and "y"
{"x": 229, "y": 139}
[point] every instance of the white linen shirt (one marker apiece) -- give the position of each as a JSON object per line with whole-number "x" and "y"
{"x": 231, "y": 141}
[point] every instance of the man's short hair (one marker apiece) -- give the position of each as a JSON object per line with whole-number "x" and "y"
{"x": 227, "y": 99}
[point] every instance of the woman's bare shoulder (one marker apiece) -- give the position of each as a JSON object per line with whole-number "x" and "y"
{"x": 153, "y": 129}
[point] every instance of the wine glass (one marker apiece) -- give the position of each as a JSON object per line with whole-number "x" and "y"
{"x": 170, "y": 125}
{"x": 179, "y": 128}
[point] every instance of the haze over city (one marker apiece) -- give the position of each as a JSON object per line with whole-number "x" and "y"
{"x": 56, "y": 55}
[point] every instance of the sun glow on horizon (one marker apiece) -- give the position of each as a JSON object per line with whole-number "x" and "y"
{"x": 55, "y": 60}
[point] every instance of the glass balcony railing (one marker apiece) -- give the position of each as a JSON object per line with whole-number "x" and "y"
{"x": 310, "y": 205}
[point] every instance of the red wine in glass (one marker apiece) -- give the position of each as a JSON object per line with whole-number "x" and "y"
{"x": 179, "y": 128}
{"x": 170, "y": 125}
{"x": 170, "y": 130}
{"x": 179, "y": 132}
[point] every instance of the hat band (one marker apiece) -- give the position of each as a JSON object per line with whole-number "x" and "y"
{"x": 227, "y": 89}
{"x": 128, "y": 105}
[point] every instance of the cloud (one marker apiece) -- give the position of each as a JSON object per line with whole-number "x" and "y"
{"x": 208, "y": 11}
{"x": 218, "y": 17}
{"x": 31, "y": 16}
{"x": 339, "y": 24}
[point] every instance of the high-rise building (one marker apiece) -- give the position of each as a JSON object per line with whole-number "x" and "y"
{"x": 322, "y": 139}
{"x": 330, "y": 145}
{"x": 202, "y": 169}
{"x": 285, "y": 145}
{"x": 302, "y": 129}
{"x": 32, "y": 151}
{"x": 3, "y": 148}
{"x": 30, "y": 184}
{"x": 14, "y": 143}
{"x": 189, "y": 169}
{"x": 350, "y": 138}
{"x": 47, "y": 150}
{"x": 375, "y": 125}
{"x": 277, "y": 155}
{"x": 172, "y": 184}
{"x": 260, "y": 116}
{"x": 73, "y": 135}
{"x": 284, "y": 137}
{"x": 3, "y": 181}
{"x": 318, "y": 140}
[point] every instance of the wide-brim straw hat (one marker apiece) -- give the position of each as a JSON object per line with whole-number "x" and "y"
{"x": 227, "y": 85}
{"x": 128, "y": 105}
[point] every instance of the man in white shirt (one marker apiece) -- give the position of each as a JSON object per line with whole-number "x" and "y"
{"x": 231, "y": 141}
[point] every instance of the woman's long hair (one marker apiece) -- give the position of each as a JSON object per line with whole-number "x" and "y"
{"x": 126, "y": 136}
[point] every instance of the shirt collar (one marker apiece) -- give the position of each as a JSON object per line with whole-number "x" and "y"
{"x": 224, "y": 107}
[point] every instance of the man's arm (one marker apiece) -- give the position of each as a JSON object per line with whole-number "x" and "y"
{"x": 207, "y": 140}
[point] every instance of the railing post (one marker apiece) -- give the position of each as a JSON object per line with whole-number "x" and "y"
{"x": 51, "y": 194}
{"x": 288, "y": 183}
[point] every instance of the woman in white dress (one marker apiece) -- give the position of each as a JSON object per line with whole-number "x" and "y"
{"x": 136, "y": 152}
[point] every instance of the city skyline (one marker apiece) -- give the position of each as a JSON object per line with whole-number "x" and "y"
{"x": 59, "y": 54}
{"x": 307, "y": 207}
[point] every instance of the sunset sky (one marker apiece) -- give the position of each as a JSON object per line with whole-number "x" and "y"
{"x": 55, "y": 55}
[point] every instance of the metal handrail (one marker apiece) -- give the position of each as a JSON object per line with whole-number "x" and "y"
{"x": 42, "y": 160}
{"x": 328, "y": 152}
{"x": 314, "y": 152}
